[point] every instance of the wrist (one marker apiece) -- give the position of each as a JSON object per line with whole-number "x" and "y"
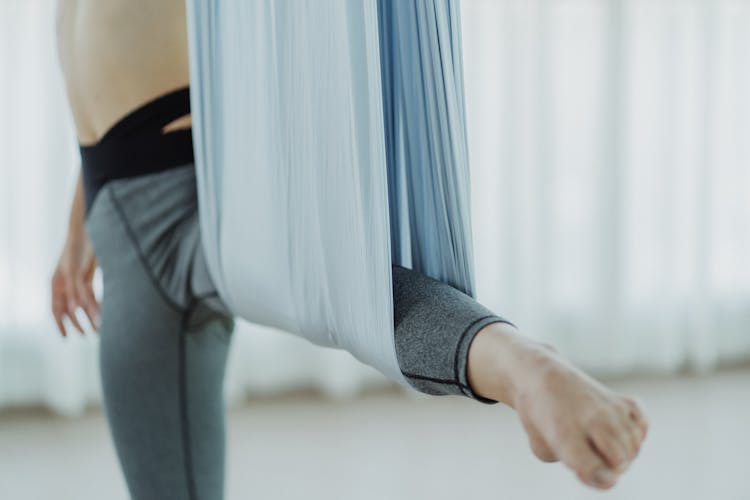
{"x": 76, "y": 235}
{"x": 492, "y": 361}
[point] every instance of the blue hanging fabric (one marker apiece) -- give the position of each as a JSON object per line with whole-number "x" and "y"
{"x": 426, "y": 144}
{"x": 330, "y": 141}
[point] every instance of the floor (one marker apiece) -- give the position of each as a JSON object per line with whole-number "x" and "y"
{"x": 390, "y": 446}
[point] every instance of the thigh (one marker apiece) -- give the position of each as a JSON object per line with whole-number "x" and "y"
{"x": 162, "y": 360}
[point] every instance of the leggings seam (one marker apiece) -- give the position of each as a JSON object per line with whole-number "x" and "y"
{"x": 207, "y": 295}
{"x": 184, "y": 420}
{"x": 433, "y": 379}
{"x": 141, "y": 256}
{"x": 458, "y": 349}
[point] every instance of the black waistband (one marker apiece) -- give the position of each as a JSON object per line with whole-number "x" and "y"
{"x": 136, "y": 145}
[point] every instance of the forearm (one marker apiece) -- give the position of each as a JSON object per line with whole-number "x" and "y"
{"x": 76, "y": 229}
{"x": 73, "y": 276}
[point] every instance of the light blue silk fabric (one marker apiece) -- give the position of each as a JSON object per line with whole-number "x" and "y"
{"x": 330, "y": 142}
{"x": 425, "y": 136}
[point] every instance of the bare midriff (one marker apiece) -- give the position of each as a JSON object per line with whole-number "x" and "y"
{"x": 117, "y": 55}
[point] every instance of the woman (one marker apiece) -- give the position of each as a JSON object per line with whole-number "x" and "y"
{"x": 165, "y": 332}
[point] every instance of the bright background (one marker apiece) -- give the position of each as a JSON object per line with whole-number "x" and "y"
{"x": 610, "y": 148}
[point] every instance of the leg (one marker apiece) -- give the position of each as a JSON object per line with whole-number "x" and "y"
{"x": 162, "y": 384}
{"x": 568, "y": 415}
{"x": 434, "y": 326}
{"x": 448, "y": 343}
{"x": 163, "y": 351}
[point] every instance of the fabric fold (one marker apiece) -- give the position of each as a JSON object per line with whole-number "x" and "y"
{"x": 329, "y": 142}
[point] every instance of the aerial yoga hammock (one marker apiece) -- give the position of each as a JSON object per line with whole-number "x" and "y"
{"x": 330, "y": 141}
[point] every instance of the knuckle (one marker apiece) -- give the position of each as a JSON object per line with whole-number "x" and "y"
{"x": 542, "y": 450}
{"x": 619, "y": 457}
{"x": 624, "y": 415}
{"x": 632, "y": 408}
{"x": 599, "y": 419}
{"x": 622, "y": 406}
{"x": 637, "y": 406}
{"x": 610, "y": 419}
{"x": 612, "y": 452}
{"x": 587, "y": 473}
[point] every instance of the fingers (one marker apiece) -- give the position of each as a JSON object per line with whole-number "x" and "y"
{"x": 63, "y": 305}
{"x": 59, "y": 302}
{"x": 617, "y": 435}
{"x": 68, "y": 294}
{"x": 611, "y": 443}
{"x": 72, "y": 306}
{"x": 637, "y": 415}
{"x": 537, "y": 442}
{"x": 88, "y": 303}
{"x": 541, "y": 449}
{"x": 58, "y": 311}
{"x": 86, "y": 290}
{"x": 588, "y": 465}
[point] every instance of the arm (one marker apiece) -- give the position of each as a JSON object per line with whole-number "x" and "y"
{"x": 72, "y": 282}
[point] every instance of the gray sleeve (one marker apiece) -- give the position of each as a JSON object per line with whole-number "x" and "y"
{"x": 435, "y": 324}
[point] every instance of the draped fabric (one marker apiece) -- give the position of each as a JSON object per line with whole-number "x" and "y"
{"x": 425, "y": 130}
{"x": 330, "y": 142}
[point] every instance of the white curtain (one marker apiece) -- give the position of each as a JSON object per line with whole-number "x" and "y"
{"x": 610, "y": 147}
{"x": 610, "y": 156}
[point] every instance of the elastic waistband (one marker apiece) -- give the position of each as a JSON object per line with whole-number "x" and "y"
{"x": 136, "y": 145}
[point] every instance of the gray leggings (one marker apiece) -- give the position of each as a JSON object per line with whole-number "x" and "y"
{"x": 165, "y": 336}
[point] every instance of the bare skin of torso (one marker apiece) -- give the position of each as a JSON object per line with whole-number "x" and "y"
{"x": 117, "y": 55}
